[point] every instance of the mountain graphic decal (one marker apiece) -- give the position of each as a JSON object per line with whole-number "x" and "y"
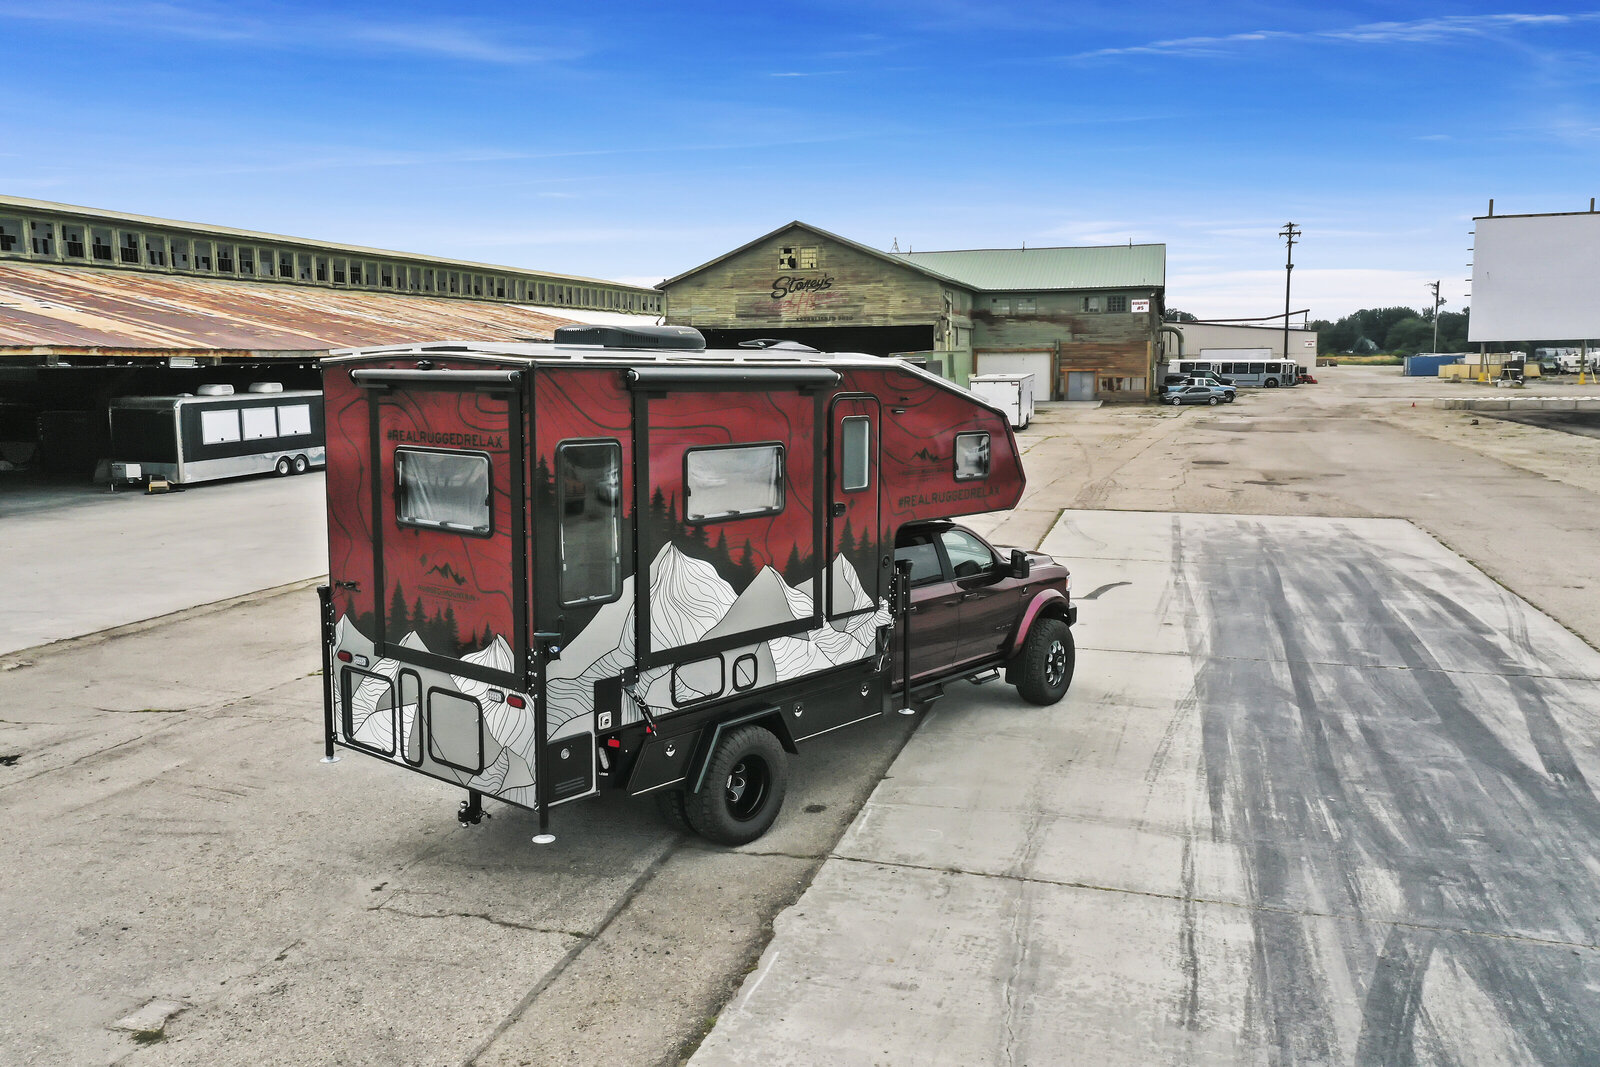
{"x": 444, "y": 570}
{"x": 923, "y": 453}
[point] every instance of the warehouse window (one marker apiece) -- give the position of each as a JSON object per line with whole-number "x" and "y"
{"x": 788, "y": 258}
{"x": 732, "y": 482}
{"x": 43, "y": 239}
{"x": 1117, "y": 303}
{"x": 130, "y": 248}
{"x": 202, "y": 255}
{"x": 1122, "y": 385}
{"x": 303, "y": 266}
{"x": 442, "y": 491}
{"x": 155, "y": 251}
{"x": 808, "y": 259}
{"x": 225, "y": 259}
{"x": 180, "y": 253}
{"x": 10, "y": 234}
{"x": 322, "y": 268}
{"x": 72, "y": 241}
{"x": 100, "y": 245}
{"x": 247, "y": 260}
{"x": 1093, "y": 304}
{"x": 1000, "y": 305}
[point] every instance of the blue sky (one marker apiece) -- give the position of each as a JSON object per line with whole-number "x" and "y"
{"x": 636, "y": 140}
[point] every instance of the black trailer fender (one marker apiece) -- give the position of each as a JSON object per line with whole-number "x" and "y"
{"x": 770, "y": 717}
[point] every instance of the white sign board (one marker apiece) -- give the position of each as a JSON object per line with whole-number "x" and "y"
{"x": 1140, "y": 307}
{"x": 1534, "y": 278}
{"x": 1309, "y": 344}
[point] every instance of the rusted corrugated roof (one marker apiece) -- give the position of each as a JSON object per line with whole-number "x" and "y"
{"x": 77, "y": 307}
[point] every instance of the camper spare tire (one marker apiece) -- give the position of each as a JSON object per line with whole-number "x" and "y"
{"x": 284, "y": 467}
{"x": 744, "y": 786}
{"x": 1048, "y": 658}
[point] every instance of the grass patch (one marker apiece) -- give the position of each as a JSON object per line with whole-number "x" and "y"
{"x": 1365, "y": 361}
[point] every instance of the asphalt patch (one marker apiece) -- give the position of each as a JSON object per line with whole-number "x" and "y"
{"x": 1582, "y": 423}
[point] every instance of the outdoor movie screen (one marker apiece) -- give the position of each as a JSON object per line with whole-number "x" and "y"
{"x": 1536, "y": 278}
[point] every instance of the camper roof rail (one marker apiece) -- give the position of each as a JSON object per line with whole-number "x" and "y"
{"x": 680, "y": 337}
{"x": 667, "y": 374}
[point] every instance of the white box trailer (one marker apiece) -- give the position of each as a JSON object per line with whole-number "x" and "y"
{"x": 1011, "y": 393}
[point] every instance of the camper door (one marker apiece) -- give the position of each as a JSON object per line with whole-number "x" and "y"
{"x": 448, "y": 521}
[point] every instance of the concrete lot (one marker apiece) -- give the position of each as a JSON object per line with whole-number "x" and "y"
{"x": 1320, "y": 793}
{"x": 174, "y": 839}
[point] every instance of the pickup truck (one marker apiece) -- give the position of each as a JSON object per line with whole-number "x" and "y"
{"x": 976, "y": 610}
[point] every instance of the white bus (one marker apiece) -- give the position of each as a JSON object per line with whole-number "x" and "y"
{"x": 1243, "y": 373}
{"x": 188, "y": 439}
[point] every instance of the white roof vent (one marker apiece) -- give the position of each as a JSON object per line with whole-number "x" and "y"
{"x": 215, "y": 390}
{"x": 266, "y": 387}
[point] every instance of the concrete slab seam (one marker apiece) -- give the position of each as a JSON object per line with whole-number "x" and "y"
{"x": 1355, "y": 920}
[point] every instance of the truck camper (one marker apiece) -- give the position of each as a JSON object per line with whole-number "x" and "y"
{"x": 623, "y": 561}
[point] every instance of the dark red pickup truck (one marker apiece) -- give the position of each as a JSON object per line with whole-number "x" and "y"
{"x": 975, "y": 608}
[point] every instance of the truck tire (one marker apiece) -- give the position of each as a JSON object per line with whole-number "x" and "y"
{"x": 301, "y": 464}
{"x": 744, "y": 786}
{"x": 1048, "y": 658}
{"x": 669, "y": 802}
{"x": 284, "y": 467}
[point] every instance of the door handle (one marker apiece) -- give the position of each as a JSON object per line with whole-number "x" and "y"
{"x": 838, "y": 509}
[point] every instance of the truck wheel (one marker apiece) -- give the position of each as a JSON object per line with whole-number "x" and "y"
{"x": 1048, "y": 658}
{"x": 284, "y": 467}
{"x": 669, "y": 802}
{"x": 745, "y": 783}
{"x": 301, "y": 464}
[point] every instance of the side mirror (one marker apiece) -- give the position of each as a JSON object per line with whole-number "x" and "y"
{"x": 1021, "y": 565}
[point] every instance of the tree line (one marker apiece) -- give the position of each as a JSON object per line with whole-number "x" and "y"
{"x": 1399, "y": 331}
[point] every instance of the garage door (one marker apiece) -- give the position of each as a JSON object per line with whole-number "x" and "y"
{"x": 1038, "y": 364}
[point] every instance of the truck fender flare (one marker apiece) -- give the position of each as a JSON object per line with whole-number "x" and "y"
{"x": 769, "y": 717}
{"x": 1049, "y": 603}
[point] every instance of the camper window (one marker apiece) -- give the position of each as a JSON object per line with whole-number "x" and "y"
{"x": 972, "y": 456}
{"x": 442, "y": 490}
{"x": 856, "y": 452}
{"x": 219, "y": 426}
{"x": 734, "y": 482}
{"x": 589, "y": 488}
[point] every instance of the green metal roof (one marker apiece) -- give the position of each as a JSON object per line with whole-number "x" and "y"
{"x": 1001, "y": 269}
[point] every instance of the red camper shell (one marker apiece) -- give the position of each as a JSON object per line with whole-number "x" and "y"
{"x": 559, "y": 567}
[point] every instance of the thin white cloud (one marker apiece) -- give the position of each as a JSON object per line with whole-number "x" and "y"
{"x": 271, "y": 27}
{"x": 805, "y": 73}
{"x": 1416, "y": 31}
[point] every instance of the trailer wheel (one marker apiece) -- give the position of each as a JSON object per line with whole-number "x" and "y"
{"x": 1047, "y": 661}
{"x": 283, "y": 467}
{"x": 745, "y": 783}
{"x": 301, "y": 464}
{"x": 669, "y": 802}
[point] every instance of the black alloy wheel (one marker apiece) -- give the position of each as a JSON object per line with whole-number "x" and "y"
{"x": 1048, "y": 659}
{"x": 744, "y": 787}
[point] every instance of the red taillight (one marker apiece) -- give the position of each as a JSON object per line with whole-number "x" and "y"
{"x": 613, "y": 742}
{"x": 344, "y": 657}
{"x": 516, "y": 701}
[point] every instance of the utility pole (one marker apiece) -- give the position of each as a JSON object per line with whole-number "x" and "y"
{"x": 1436, "y": 302}
{"x": 1288, "y": 233}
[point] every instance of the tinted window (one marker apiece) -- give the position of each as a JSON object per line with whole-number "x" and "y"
{"x": 442, "y": 490}
{"x": 588, "y": 481}
{"x": 924, "y": 557}
{"x": 968, "y": 555}
{"x": 855, "y": 453}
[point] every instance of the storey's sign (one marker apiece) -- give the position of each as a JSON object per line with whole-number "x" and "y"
{"x": 787, "y": 284}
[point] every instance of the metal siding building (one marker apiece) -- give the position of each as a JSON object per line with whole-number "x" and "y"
{"x": 1086, "y": 321}
{"x": 1198, "y": 336}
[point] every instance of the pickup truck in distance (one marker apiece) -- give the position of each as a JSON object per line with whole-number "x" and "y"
{"x": 974, "y": 609}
